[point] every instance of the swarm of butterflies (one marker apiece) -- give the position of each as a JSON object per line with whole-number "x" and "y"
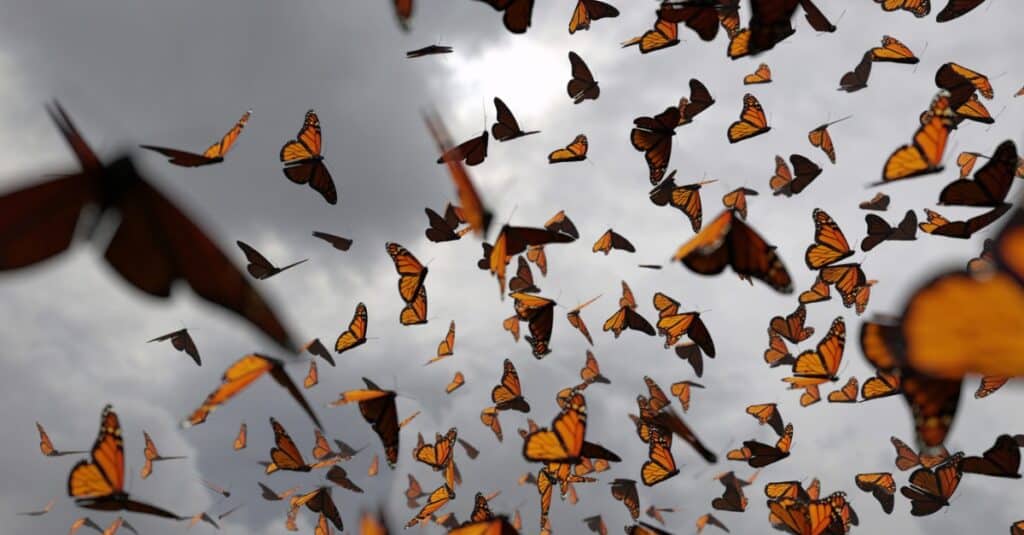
{"x": 923, "y": 364}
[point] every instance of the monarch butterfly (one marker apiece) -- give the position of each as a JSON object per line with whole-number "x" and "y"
{"x": 272, "y": 496}
{"x": 991, "y": 183}
{"x": 564, "y": 441}
{"x": 664, "y": 35}
{"x": 763, "y": 75}
{"x": 961, "y": 83}
{"x": 660, "y": 465}
{"x": 752, "y": 122}
{"x": 259, "y": 267}
{"x": 883, "y": 384}
{"x": 783, "y": 182}
{"x": 624, "y": 490}
{"x": 1001, "y": 460}
{"x": 582, "y": 85}
{"x": 181, "y": 341}
{"x": 762, "y": 454}
{"x": 577, "y": 321}
{"x": 708, "y": 519}
{"x": 472, "y": 152}
{"x": 810, "y": 396}
{"x": 596, "y": 524}
{"x": 587, "y": 11}
{"x": 737, "y": 200}
{"x": 881, "y": 485}
{"x": 693, "y": 355}
{"x": 686, "y": 198}
{"x": 626, "y": 317}
{"x": 545, "y": 487}
{"x": 242, "y": 438}
{"x": 411, "y": 274}
{"x": 508, "y": 395}
{"x": 655, "y": 513}
{"x": 789, "y": 490}
{"x": 700, "y": 100}
{"x": 930, "y": 488}
{"x": 213, "y": 154}
{"x": 99, "y": 483}
{"x": 989, "y": 385}
{"x": 892, "y": 50}
{"x": 439, "y": 454}
{"x": 653, "y": 137}
{"x": 612, "y": 240}
{"x": 497, "y": 525}
{"x": 830, "y": 245}
{"x": 941, "y": 226}
{"x": 377, "y": 407}
{"x": 285, "y": 455}
{"x": 920, "y": 8}
{"x": 857, "y": 79}
{"x": 517, "y": 13}
{"x": 701, "y": 16}
{"x": 778, "y": 353}
{"x": 846, "y": 394}
{"x": 792, "y": 326}
{"x": 879, "y": 230}
{"x": 744, "y": 250}
{"x": 447, "y": 346}
{"x": 444, "y": 229}
{"x": 317, "y": 501}
{"x": 355, "y": 335}
{"x": 681, "y": 390}
{"x": 46, "y": 509}
{"x": 879, "y": 202}
{"x": 819, "y": 137}
{"x": 472, "y": 206}
{"x": 732, "y": 498}
{"x": 185, "y": 252}
{"x": 429, "y": 50}
{"x": 507, "y": 128}
{"x": 514, "y": 240}
{"x": 932, "y": 401}
{"x": 338, "y": 242}
{"x": 403, "y": 13}
{"x": 674, "y": 325}
{"x": 46, "y": 446}
{"x": 511, "y": 324}
{"x": 457, "y": 381}
{"x": 303, "y": 162}
{"x": 316, "y": 348}
{"x": 573, "y": 152}
{"x": 489, "y": 417}
{"x": 538, "y": 312}
{"x": 768, "y": 413}
{"x": 413, "y": 492}
{"x": 822, "y": 364}
{"x": 924, "y": 154}
{"x": 240, "y": 375}
{"x": 152, "y": 455}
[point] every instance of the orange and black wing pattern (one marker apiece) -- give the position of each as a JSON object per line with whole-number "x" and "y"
{"x": 303, "y": 162}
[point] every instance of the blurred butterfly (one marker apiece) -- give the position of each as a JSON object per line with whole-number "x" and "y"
{"x": 285, "y": 455}
{"x": 259, "y": 267}
{"x": 626, "y": 317}
{"x": 242, "y": 438}
{"x": 312, "y": 376}
{"x": 573, "y": 152}
{"x": 239, "y": 376}
{"x": 930, "y": 488}
{"x": 582, "y": 86}
{"x": 517, "y": 13}
{"x": 612, "y": 240}
{"x": 737, "y": 200}
{"x": 46, "y": 509}
{"x": 317, "y": 501}
{"x": 539, "y": 313}
{"x": 512, "y": 241}
{"x": 587, "y": 11}
{"x": 653, "y": 137}
{"x": 857, "y": 79}
{"x": 446, "y": 348}
{"x": 443, "y": 229}
{"x": 84, "y": 522}
{"x": 378, "y": 408}
{"x": 674, "y": 324}
{"x": 489, "y": 417}
{"x": 624, "y": 490}
{"x": 436, "y": 500}
{"x": 596, "y": 524}
{"x": 338, "y": 242}
{"x": 213, "y": 154}
{"x": 732, "y": 498}
{"x": 729, "y": 241}
{"x": 701, "y": 16}
{"x": 591, "y": 372}
{"x": 472, "y": 152}
{"x": 956, "y": 9}
{"x": 763, "y": 75}
{"x": 920, "y": 8}
{"x": 471, "y": 205}
{"x": 411, "y": 274}
{"x": 758, "y": 454}
{"x": 185, "y": 252}
{"x": 403, "y": 12}
{"x": 924, "y": 154}
{"x": 881, "y": 485}
{"x": 152, "y": 455}
{"x": 99, "y": 483}
{"x": 303, "y": 162}
{"x": 961, "y": 83}
{"x": 879, "y": 230}
{"x": 783, "y": 182}
{"x": 507, "y": 128}
{"x": 752, "y": 122}
{"x": 989, "y": 385}
{"x": 577, "y": 321}
{"x": 708, "y": 519}
{"x": 46, "y": 446}
{"x": 892, "y": 50}
{"x": 685, "y": 198}
{"x": 428, "y": 50}
{"x": 455, "y": 383}
{"x": 879, "y": 202}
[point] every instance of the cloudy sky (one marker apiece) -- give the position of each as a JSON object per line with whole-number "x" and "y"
{"x": 179, "y": 74}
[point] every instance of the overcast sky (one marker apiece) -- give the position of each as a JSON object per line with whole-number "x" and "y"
{"x": 179, "y": 74}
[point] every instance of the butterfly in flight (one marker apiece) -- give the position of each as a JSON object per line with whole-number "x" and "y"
{"x": 428, "y": 50}
{"x": 582, "y": 86}
{"x": 213, "y": 154}
{"x": 181, "y": 341}
{"x": 303, "y": 162}
{"x": 259, "y": 267}
{"x": 507, "y": 128}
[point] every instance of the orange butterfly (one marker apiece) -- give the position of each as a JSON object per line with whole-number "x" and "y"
{"x": 737, "y": 200}
{"x": 783, "y": 182}
{"x": 437, "y": 499}
{"x": 587, "y": 11}
{"x": 830, "y": 245}
{"x": 924, "y": 154}
{"x": 573, "y": 152}
{"x": 182, "y": 341}
{"x": 624, "y": 490}
{"x": 822, "y": 364}
{"x": 880, "y": 201}
{"x": 576, "y": 321}
{"x": 242, "y": 438}
{"x": 686, "y": 198}
{"x": 612, "y": 240}
{"x": 920, "y": 8}
{"x": 989, "y": 385}
{"x": 752, "y": 121}
{"x": 881, "y": 485}
{"x": 439, "y": 454}
{"x": 446, "y": 348}
{"x": 303, "y": 163}
{"x": 819, "y": 137}
{"x": 665, "y": 34}
{"x": 626, "y": 316}
{"x": 708, "y": 519}
{"x": 411, "y": 274}
{"x": 682, "y": 391}
{"x": 46, "y": 446}
{"x": 355, "y": 335}
{"x": 846, "y": 394}
{"x": 930, "y": 488}
{"x": 792, "y": 326}
{"x": 489, "y": 417}
{"x": 940, "y": 226}
{"x": 763, "y": 75}
{"x": 564, "y": 441}
{"x": 508, "y": 395}
{"x": 317, "y": 501}
{"x": 213, "y": 154}
{"x": 653, "y": 137}
{"x": 882, "y": 385}
{"x": 473, "y": 209}
{"x": 660, "y": 465}
{"x": 312, "y": 376}
{"x": 455, "y": 383}
{"x": 768, "y": 413}
{"x": 285, "y": 455}
{"x": 893, "y": 51}
{"x": 99, "y": 483}
{"x": 152, "y": 455}
{"x": 674, "y": 324}
{"x": 378, "y": 408}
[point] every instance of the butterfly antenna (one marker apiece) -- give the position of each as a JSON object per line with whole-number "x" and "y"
{"x": 919, "y": 57}
{"x": 840, "y": 120}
